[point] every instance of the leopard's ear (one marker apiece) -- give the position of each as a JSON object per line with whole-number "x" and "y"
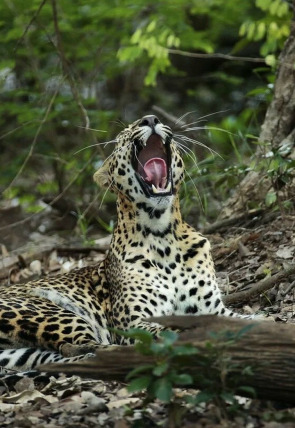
{"x": 101, "y": 176}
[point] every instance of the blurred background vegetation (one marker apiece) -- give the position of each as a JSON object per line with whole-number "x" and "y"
{"x": 74, "y": 73}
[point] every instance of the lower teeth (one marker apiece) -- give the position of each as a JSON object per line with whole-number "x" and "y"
{"x": 155, "y": 190}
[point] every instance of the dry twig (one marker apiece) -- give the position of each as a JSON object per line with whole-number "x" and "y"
{"x": 260, "y": 287}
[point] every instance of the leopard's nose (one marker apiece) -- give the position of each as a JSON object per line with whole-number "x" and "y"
{"x": 150, "y": 121}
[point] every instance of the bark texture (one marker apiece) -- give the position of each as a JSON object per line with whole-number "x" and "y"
{"x": 268, "y": 348}
{"x": 278, "y": 130}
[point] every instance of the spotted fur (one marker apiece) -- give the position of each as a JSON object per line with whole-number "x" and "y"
{"x": 157, "y": 264}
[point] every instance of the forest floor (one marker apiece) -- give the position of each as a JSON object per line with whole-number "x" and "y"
{"x": 244, "y": 253}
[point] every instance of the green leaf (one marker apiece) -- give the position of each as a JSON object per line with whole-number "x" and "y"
{"x": 204, "y": 397}
{"x": 228, "y": 396}
{"x": 270, "y": 198}
{"x": 139, "y": 383}
{"x": 247, "y": 371}
{"x": 251, "y": 30}
{"x": 159, "y": 349}
{"x": 270, "y": 60}
{"x": 136, "y": 333}
{"x": 136, "y": 36}
{"x": 243, "y": 29}
{"x": 151, "y": 26}
{"x": 161, "y": 368}
{"x": 263, "y": 4}
{"x": 248, "y": 389}
{"x": 243, "y": 331}
{"x": 162, "y": 389}
{"x": 182, "y": 379}
{"x": 141, "y": 369}
{"x": 129, "y": 53}
{"x": 169, "y": 337}
{"x": 185, "y": 350}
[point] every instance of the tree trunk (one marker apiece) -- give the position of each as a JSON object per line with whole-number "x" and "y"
{"x": 278, "y": 130}
{"x": 267, "y": 348}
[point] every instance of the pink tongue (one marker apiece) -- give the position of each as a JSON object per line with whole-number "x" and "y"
{"x": 156, "y": 172}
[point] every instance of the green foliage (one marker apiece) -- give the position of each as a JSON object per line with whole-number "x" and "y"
{"x": 280, "y": 170}
{"x": 83, "y": 225}
{"x": 159, "y": 379}
{"x": 104, "y": 60}
{"x": 279, "y": 416}
{"x": 168, "y": 26}
{"x": 272, "y": 28}
{"x": 170, "y": 362}
{"x": 154, "y": 44}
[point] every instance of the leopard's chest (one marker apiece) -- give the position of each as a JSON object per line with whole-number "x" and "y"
{"x": 174, "y": 289}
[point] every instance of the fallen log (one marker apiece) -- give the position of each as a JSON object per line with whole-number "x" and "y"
{"x": 267, "y": 348}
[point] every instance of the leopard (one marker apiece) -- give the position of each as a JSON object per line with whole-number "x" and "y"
{"x": 157, "y": 265}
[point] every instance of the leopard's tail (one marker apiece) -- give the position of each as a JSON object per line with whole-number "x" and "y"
{"x": 18, "y": 363}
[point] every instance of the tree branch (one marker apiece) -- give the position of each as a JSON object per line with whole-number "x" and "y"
{"x": 29, "y": 24}
{"x": 66, "y": 69}
{"x": 216, "y": 55}
{"x": 260, "y": 287}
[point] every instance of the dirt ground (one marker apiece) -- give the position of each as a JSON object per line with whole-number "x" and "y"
{"x": 244, "y": 254}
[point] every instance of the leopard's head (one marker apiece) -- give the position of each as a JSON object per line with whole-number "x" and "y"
{"x": 146, "y": 165}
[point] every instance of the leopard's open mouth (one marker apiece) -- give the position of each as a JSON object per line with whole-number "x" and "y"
{"x": 152, "y": 165}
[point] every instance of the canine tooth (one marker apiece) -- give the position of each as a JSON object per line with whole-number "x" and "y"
{"x": 155, "y": 190}
{"x": 168, "y": 188}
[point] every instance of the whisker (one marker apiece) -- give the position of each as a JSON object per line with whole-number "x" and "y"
{"x": 119, "y": 122}
{"x": 183, "y": 116}
{"x": 196, "y": 189}
{"x": 192, "y": 123}
{"x": 90, "y": 129}
{"x": 206, "y": 115}
{"x": 191, "y": 140}
{"x": 189, "y": 152}
{"x": 94, "y": 145}
{"x": 138, "y": 159}
{"x": 104, "y": 194}
{"x": 208, "y": 128}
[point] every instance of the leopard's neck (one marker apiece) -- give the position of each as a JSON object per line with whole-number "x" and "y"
{"x": 141, "y": 226}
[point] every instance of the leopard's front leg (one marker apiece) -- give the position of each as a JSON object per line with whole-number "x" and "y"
{"x": 135, "y": 300}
